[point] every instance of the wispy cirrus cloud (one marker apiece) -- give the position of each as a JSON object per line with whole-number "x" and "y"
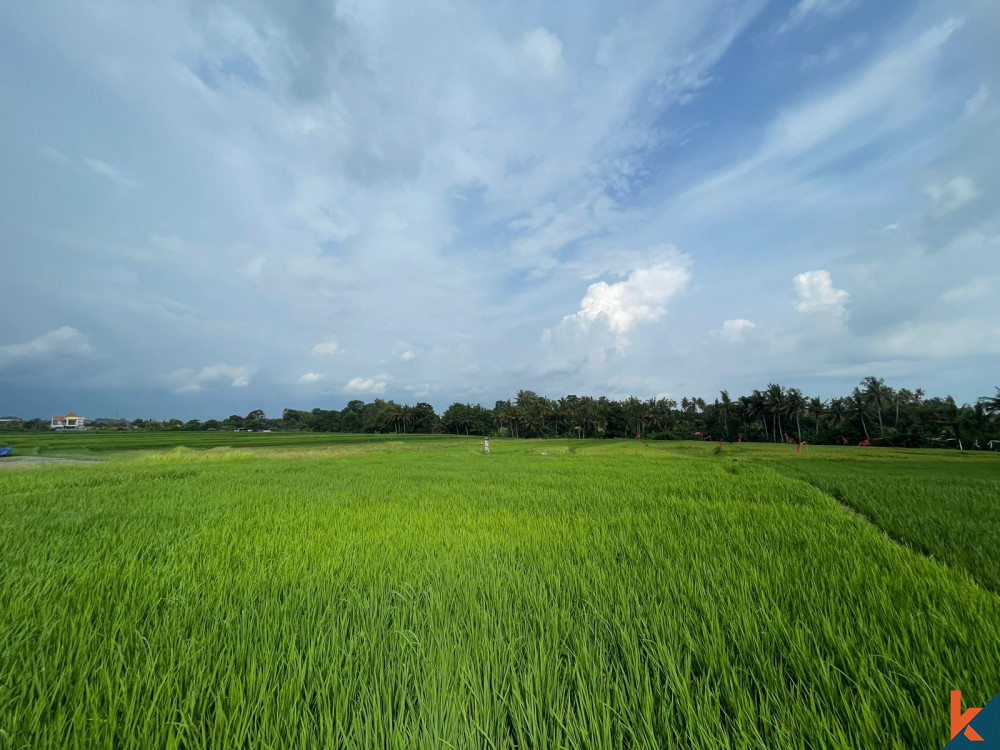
{"x": 110, "y": 173}
{"x": 806, "y": 10}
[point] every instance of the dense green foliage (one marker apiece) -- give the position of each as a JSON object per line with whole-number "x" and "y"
{"x": 416, "y": 594}
{"x": 874, "y": 412}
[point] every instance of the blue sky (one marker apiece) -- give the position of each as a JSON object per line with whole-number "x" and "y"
{"x": 212, "y": 207}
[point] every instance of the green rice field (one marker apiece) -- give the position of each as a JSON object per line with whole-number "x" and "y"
{"x": 391, "y": 593}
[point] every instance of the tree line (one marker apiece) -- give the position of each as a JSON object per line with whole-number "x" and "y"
{"x": 874, "y": 413}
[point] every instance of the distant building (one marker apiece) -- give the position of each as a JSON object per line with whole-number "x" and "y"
{"x": 8, "y": 420}
{"x": 70, "y": 422}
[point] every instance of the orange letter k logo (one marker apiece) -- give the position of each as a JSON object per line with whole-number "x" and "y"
{"x": 960, "y": 721}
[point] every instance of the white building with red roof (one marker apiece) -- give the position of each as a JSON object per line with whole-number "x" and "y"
{"x": 71, "y": 421}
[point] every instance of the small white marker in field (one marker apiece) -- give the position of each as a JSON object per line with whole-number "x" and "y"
{"x": 486, "y": 445}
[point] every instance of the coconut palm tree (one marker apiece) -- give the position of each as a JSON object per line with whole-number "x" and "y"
{"x": 991, "y": 404}
{"x": 795, "y": 404}
{"x": 878, "y": 393}
{"x": 544, "y": 409}
{"x": 838, "y": 412}
{"x": 816, "y": 407}
{"x": 757, "y": 408}
{"x": 902, "y": 395}
{"x": 774, "y": 397}
{"x": 725, "y": 407}
{"x": 857, "y": 405}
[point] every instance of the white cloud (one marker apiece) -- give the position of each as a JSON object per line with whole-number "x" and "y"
{"x": 883, "y": 98}
{"x": 543, "y": 51}
{"x": 808, "y": 8}
{"x": 975, "y": 102}
{"x": 978, "y": 288}
{"x": 312, "y": 377}
{"x": 893, "y": 227}
{"x": 408, "y": 356}
{"x": 951, "y": 195}
{"x": 212, "y": 376}
{"x": 365, "y": 385}
{"x": 53, "y": 153}
{"x": 734, "y": 331}
{"x": 940, "y": 339}
{"x": 107, "y": 171}
{"x": 326, "y": 348}
{"x": 834, "y": 52}
{"x": 471, "y": 369}
{"x": 639, "y": 298}
{"x": 416, "y": 194}
{"x": 816, "y": 293}
{"x": 65, "y": 342}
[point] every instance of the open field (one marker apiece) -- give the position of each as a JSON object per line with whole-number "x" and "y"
{"x": 103, "y": 444}
{"x": 415, "y": 593}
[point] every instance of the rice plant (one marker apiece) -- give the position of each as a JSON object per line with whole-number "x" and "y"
{"x": 425, "y": 596}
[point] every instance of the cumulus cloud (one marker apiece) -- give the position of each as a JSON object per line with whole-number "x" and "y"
{"x": 109, "y": 172}
{"x": 65, "y": 342}
{"x": 951, "y": 195}
{"x": 734, "y": 331}
{"x": 408, "y": 356}
{"x": 212, "y": 376}
{"x": 816, "y": 293}
{"x": 326, "y": 348}
{"x": 365, "y": 385}
{"x": 312, "y": 377}
{"x": 640, "y": 298}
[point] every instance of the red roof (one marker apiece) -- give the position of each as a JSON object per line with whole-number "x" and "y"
{"x": 73, "y": 414}
{"x": 58, "y": 419}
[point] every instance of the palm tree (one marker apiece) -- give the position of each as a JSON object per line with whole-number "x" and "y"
{"x": 775, "y": 399}
{"x": 757, "y": 408}
{"x": 905, "y": 395}
{"x": 878, "y": 393}
{"x": 725, "y": 406}
{"x": 655, "y": 413}
{"x": 857, "y": 405}
{"x": 406, "y": 417}
{"x": 838, "y": 412}
{"x": 795, "y": 404}
{"x": 816, "y": 410}
{"x": 544, "y": 410}
{"x": 991, "y": 404}
{"x": 500, "y": 415}
{"x": 594, "y": 417}
{"x": 632, "y": 408}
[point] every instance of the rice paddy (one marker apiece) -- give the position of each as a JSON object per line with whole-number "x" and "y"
{"x": 418, "y": 594}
